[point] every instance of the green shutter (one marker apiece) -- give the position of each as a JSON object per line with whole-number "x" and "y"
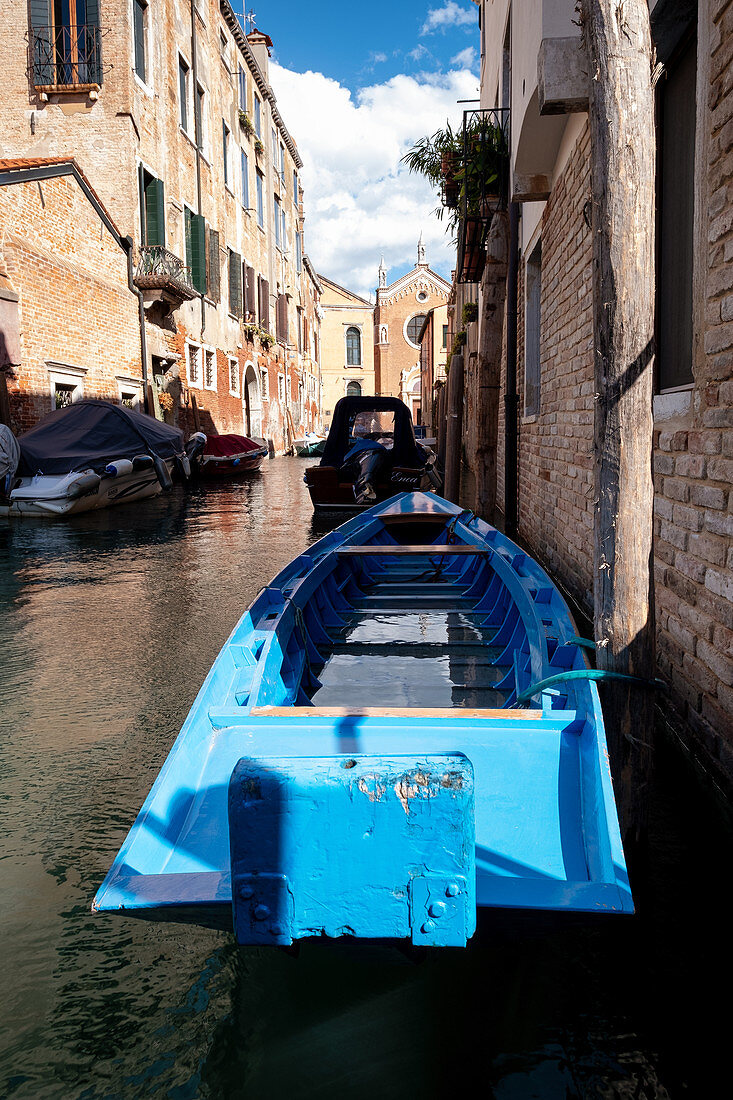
{"x": 197, "y": 233}
{"x": 92, "y": 13}
{"x": 251, "y": 292}
{"x": 154, "y": 212}
{"x": 214, "y": 270}
{"x": 235, "y": 283}
{"x": 43, "y": 52}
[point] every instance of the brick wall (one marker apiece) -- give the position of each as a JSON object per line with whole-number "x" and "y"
{"x": 74, "y": 303}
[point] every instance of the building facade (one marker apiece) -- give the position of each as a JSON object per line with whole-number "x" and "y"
{"x": 533, "y": 63}
{"x": 348, "y": 346}
{"x": 399, "y": 315}
{"x": 167, "y": 108}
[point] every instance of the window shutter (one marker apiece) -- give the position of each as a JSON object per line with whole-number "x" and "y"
{"x": 43, "y": 54}
{"x": 251, "y": 292}
{"x": 138, "y": 16}
{"x": 282, "y": 319}
{"x": 264, "y": 303}
{"x": 213, "y": 279}
{"x": 92, "y": 13}
{"x": 235, "y": 284}
{"x": 198, "y": 252}
{"x": 154, "y": 212}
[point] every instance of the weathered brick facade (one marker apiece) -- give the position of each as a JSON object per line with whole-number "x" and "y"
{"x": 182, "y": 139}
{"x": 693, "y": 438}
{"x": 66, "y": 278}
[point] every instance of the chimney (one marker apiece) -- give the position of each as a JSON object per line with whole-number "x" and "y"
{"x": 261, "y": 44}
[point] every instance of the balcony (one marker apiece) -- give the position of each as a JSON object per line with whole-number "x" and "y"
{"x": 163, "y": 278}
{"x": 67, "y": 58}
{"x": 480, "y": 177}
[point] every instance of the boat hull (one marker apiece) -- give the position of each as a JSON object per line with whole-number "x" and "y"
{"x": 369, "y": 701}
{"x": 47, "y": 496}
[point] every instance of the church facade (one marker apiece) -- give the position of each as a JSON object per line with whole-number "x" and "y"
{"x": 399, "y": 316}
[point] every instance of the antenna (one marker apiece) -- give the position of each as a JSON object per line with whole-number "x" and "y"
{"x": 250, "y": 18}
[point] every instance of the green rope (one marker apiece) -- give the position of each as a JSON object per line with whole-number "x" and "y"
{"x": 585, "y": 674}
{"x": 587, "y": 643}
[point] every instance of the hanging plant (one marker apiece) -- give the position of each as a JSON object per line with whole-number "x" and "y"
{"x": 246, "y": 123}
{"x": 459, "y": 341}
{"x": 469, "y": 312}
{"x": 259, "y": 147}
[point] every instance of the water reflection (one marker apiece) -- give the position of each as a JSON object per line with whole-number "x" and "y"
{"x": 108, "y": 624}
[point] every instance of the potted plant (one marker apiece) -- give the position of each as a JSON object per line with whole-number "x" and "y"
{"x": 469, "y": 312}
{"x": 246, "y": 123}
{"x": 259, "y": 147}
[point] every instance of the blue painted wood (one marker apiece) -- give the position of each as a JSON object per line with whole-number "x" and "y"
{"x": 546, "y": 833}
{"x": 376, "y": 846}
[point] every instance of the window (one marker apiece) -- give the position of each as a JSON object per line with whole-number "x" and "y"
{"x": 195, "y": 237}
{"x": 209, "y": 369}
{"x": 298, "y": 251}
{"x": 278, "y": 223}
{"x": 353, "y": 347}
{"x": 152, "y": 209}
{"x": 281, "y": 387}
{"x": 245, "y": 180}
{"x": 225, "y": 154}
{"x": 295, "y": 187}
{"x": 235, "y": 283}
{"x": 532, "y": 330}
{"x": 353, "y": 389}
{"x": 273, "y": 148}
{"x": 66, "y": 41}
{"x": 283, "y": 231}
{"x": 199, "y": 118}
{"x": 224, "y": 48}
{"x": 445, "y": 337}
{"x": 676, "y": 186}
{"x": 193, "y": 364}
{"x": 139, "y": 27}
{"x": 67, "y": 384}
{"x": 264, "y": 385}
{"x": 258, "y": 116}
{"x": 234, "y": 378}
{"x": 183, "y": 72}
{"x": 129, "y": 392}
{"x": 412, "y": 331}
{"x": 282, "y": 164}
{"x": 242, "y": 89}
{"x": 260, "y": 200}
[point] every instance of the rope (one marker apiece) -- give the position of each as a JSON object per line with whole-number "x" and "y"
{"x": 586, "y": 674}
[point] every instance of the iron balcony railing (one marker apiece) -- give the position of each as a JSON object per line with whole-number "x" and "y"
{"x": 66, "y": 56}
{"x": 482, "y": 178}
{"x": 157, "y": 268}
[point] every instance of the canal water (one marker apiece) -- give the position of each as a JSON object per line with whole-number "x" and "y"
{"x": 108, "y": 625}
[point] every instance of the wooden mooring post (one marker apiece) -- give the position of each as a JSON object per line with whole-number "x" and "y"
{"x": 454, "y": 428}
{"x": 491, "y": 331}
{"x": 618, "y": 43}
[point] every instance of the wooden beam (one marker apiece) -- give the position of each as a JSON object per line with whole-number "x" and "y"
{"x": 394, "y": 712}
{"x": 427, "y": 548}
{"x": 623, "y": 155}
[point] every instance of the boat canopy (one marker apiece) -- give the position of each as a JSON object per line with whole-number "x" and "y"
{"x": 89, "y": 434}
{"x": 226, "y": 446}
{"x": 385, "y": 420}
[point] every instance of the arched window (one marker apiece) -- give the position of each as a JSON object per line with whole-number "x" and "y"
{"x": 353, "y": 389}
{"x": 413, "y": 327}
{"x": 353, "y": 347}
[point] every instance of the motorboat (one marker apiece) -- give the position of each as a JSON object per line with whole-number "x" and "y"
{"x": 92, "y": 454}
{"x": 402, "y": 729}
{"x": 310, "y": 446}
{"x": 232, "y": 455}
{"x": 370, "y": 454}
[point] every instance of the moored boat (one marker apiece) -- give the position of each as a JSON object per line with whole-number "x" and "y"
{"x": 94, "y": 454}
{"x": 370, "y": 454}
{"x": 232, "y": 455}
{"x": 399, "y": 729}
{"x": 310, "y": 446}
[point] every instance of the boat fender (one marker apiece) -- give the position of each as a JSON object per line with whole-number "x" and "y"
{"x": 119, "y": 468}
{"x": 183, "y": 466}
{"x": 195, "y": 445}
{"x": 83, "y": 486}
{"x": 142, "y": 462}
{"x": 236, "y": 462}
{"x": 162, "y": 473}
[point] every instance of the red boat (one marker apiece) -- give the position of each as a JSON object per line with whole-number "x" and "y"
{"x": 232, "y": 455}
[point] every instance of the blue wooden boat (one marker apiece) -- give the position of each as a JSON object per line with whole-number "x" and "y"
{"x": 398, "y": 730}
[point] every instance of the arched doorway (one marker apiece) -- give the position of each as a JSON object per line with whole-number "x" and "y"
{"x": 252, "y": 402}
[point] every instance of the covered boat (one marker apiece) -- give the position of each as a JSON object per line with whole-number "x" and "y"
{"x": 370, "y": 454}
{"x": 232, "y": 455}
{"x": 310, "y": 446}
{"x": 93, "y": 454}
{"x": 401, "y": 728}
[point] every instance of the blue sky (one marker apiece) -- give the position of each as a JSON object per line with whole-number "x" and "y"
{"x": 355, "y": 97}
{"x": 358, "y": 44}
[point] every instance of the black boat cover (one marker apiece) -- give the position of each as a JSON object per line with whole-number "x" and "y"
{"x": 89, "y": 434}
{"x": 377, "y": 418}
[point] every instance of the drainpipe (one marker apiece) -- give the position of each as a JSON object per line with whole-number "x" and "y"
{"x": 197, "y": 132}
{"x": 511, "y": 397}
{"x": 126, "y": 243}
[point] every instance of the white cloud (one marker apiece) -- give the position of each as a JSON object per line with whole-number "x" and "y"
{"x": 378, "y": 58}
{"x": 466, "y": 59}
{"x": 450, "y": 15}
{"x": 360, "y": 202}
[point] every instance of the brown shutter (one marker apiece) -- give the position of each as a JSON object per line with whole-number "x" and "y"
{"x": 251, "y": 292}
{"x": 264, "y": 303}
{"x": 282, "y": 319}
